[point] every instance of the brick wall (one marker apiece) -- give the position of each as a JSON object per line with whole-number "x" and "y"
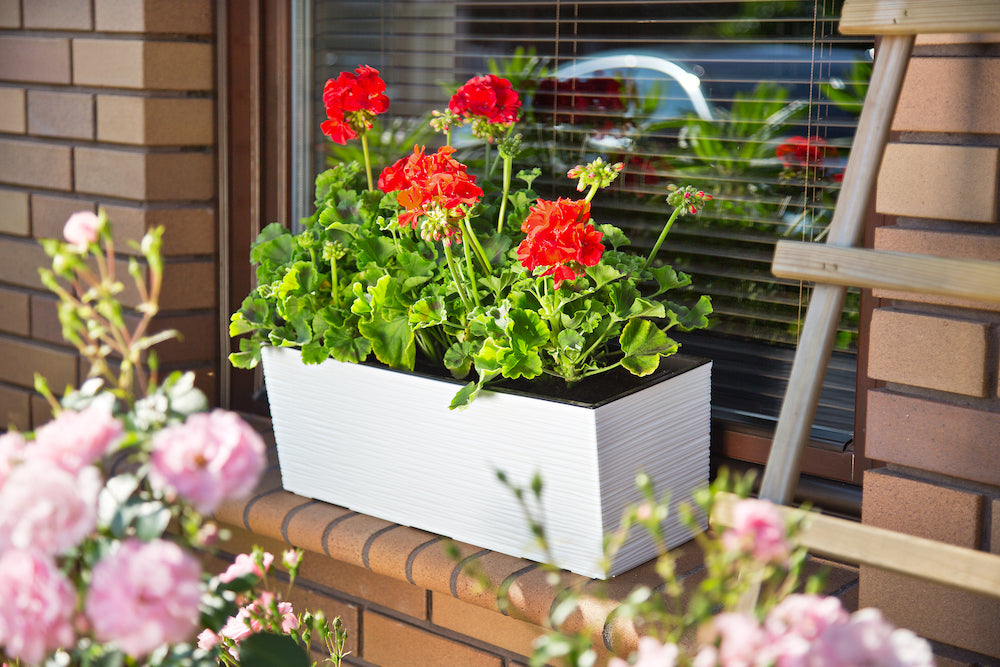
{"x": 104, "y": 103}
{"x": 935, "y": 419}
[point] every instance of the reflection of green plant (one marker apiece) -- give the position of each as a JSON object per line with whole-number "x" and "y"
{"x": 850, "y": 95}
{"x": 386, "y": 141}
{"x": 524, "y": 69}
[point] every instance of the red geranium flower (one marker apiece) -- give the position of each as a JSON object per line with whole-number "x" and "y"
{"x": 804, "y": 152}
{"x": 558, "y": 237}
{"x": 489, "y": 97}
{"x": 352, "y": 101}
{"x": 431, "y": 182}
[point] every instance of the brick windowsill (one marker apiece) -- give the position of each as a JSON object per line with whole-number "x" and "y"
{"x": 418, "y": 558}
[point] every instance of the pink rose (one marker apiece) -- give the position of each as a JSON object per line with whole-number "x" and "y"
{"x": 247, "y": 621}
{"x": 795, "y": 624}
{"x": 11, "y": 450}
{"x": 144, "y": 595}
{"x": 244, "y": 564}
{"x": 207, "y": 640}
{"x": 46, "y": 508}
{"x": 740, "y": 639}
{"x": 82, "y": 228}
{"x": 210, "y": 457}
{"x": 866, "y": 638}
{"x": 76, "y": 439}
{"x": 757, "y": 529}
{"x": 36, "y": 616}
{"x": 651, "y": 653}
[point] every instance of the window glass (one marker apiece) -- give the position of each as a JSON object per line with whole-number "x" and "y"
{"x": 754, "y": 102}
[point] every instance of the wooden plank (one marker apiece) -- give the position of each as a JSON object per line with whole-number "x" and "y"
{"x": 862, "y": 267}
{"x": 909, "y": 17}
{"x": 852, "y": 542}
{"x": 812, "y": 354}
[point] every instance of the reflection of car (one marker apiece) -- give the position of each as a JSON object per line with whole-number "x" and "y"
{"x": 666, "y": 84}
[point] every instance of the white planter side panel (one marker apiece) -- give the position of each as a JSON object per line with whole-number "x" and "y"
{"x": 384, "y": 443}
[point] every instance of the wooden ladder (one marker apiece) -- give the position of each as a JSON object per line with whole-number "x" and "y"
{"x": 839, "y": 263}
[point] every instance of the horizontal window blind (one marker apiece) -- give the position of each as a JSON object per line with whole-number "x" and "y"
{"x": 754, "y": 102}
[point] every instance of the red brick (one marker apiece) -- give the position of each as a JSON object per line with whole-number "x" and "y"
{"x": 193, "y": 17}
{"x": 22, "y": 359}
{"x": 144, "y": 176}
{"x": 930, "y": 435}
{"x": 187, "y": 230}
{"x": 356, "y": 581}
{"x": 36, "y": 164}
{"x": 10, "y": 13}
{"x": 941, "y": 244}
{"x": 488, "y": 626}
{"x": 50, "y": 212}
{"x": 154, "y": 121}
{"x": 19, "y": 262}
{"x": 14, "y": 316}
{"x": 930, "y": 39}
{"x": 962, "y": 88}
{"x": 41, "y": 411}
{"x": 34, "y": 59}
{"x": 917, "y": 507}
{"x": 12, "y": 115}
{"x": 189, "y": 285}
{"x": 14, "y": 217}
{"x": 58, "y": 15}
{"x": 391, "y": 643}
{"x": 938, "y": 181}
{"x": 58, "y": 114}
{"x": 947, "y": 354}
{"x": 15, "y": 408}
{"x": 133, "y": 63}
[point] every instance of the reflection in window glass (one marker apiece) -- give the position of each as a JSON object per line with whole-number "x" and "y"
{"x": 754, "y": 102}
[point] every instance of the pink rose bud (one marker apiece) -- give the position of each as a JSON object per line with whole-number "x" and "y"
{"x": 82, "y": 228}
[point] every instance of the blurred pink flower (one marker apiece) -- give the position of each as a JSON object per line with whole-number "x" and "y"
{"x": 143, "y": 595}
{"x": 207, "y": 640}
{"x": 82, "y": 228}
{"x": 740, "y": 639}
{"x": 11, "y": 450}
{"x": 74, "y": 440}
{"x": 795, "y": 624}
{"x": 651, "y": 653}
{"x": 866, "y": 638}
{"x": 211, "y": 457}
{"x": 36, "y": 616}
{"x": 244, "y": 564}
{"x": 757, "y": 529}
{"x": 46, "y": 508}
{"x": 246, "y": 622}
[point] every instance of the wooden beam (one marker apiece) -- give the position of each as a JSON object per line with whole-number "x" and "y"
{"x": 908, "y": 17}
{"x": 862, "y": 267}
{"x": 853, "y": 542}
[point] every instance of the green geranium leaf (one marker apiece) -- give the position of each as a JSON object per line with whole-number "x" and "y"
{"x": 428, "y": 312}
{"x": 695, "y": 317}
{"x": 274, "y": 245}
{"x": 515, "y": 364}
{"x": 667, "y": 279}
{"x": 570, "y": 340}
{"x": 343, "y": 344}
{"x": 602, "y": 274}
{"x": 613, "y": 236}
{"x": 643, "y": 344}
{"x": 248, "y": 356}
{"x": 458, "y": 359}
{"x": 645, "y": 308}
{"x": 526, "y": 330}
{"x": 374, "y": 249}
{"x": 465, "y": 396}
{"x": 623, "y": 295}
{"x": 314, "y": 352}
{"x": 391, "y": 338}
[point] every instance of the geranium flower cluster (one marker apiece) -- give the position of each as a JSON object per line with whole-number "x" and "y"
{"x": 560, "y": 239}
{"x": 490, "y": 102}
{"x": 436, "y": 190}
{"x": 352, "y": 101}
{"x": 799, "y": 152}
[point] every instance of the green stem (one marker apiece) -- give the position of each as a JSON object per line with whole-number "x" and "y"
{"x": 471, "y": 237}
{"x": 593, "y": 191}
{"x": 335, "y": 287}
{"x": 663, "y": 235}
{"x": 456, "y": 276}
{"x": 507, "y": 168}
{"x": 472, "y": 273}
{"x": 368, "y": 160}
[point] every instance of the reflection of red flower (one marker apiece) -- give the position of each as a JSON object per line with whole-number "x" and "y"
{"x": 804, "y": 152}
{"x": 558, "y": 237}
{"x": 429, "y": 181}
{"x": 580, "y": 101}
{"x": 489, "y": 97}
{"x": 352, "y": 101}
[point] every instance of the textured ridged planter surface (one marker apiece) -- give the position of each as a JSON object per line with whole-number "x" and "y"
{"x": 384, "y": 443}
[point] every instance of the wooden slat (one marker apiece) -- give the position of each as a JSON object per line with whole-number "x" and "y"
{"x": 852, "y": 542}
{"x": 846, "y": 229}
{"x": 862, "y": 267}
{"x": 909, "y": 17}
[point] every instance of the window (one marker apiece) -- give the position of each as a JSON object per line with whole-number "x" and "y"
{"x": 753, "y": 101}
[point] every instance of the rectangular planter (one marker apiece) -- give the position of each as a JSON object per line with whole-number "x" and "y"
{"x": 384, "y": 443}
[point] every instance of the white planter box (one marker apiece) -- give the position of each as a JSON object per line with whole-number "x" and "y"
{"x": 384, "y": 443}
